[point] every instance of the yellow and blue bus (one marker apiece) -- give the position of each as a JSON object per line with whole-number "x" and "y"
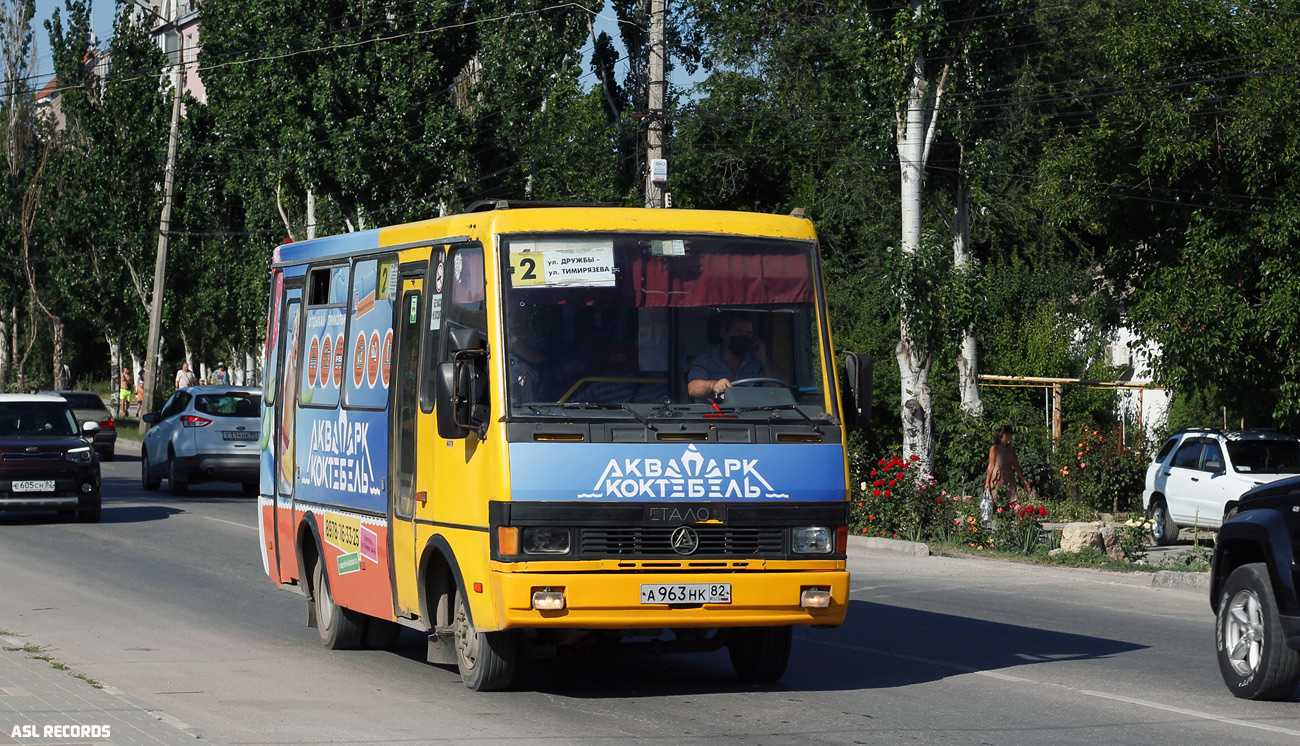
{"x": 534, "y": 426}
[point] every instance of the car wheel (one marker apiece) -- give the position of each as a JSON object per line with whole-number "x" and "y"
{"x": 759, "y": 654}
{"x": 1253, "y": 656}
{"x": 340, "y": 628}
{"x": 148, "y": 482}
{"x": 486, "y": 659}
{"x": 175, "y": 482}
{"x": 92, "y": 513}
{"x": 1165, "y": 531}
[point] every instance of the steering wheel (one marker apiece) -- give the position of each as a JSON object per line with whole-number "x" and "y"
{"x": 751, "y": 381}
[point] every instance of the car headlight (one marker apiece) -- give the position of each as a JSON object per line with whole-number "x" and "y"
{"x": 79, "y": 455}
{"x": 811, "y": 540}
{"x": 545, "y": 540}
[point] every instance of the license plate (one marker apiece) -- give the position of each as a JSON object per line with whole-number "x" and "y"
{"x": 686, "y": 593}
{"x": 238, "y": 435}
{"x": 34, "y": 485}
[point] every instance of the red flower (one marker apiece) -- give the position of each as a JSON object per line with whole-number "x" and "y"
{"x": 999, "y": 510}
{"x": 1042, "y": 511}
{"x": 859, "y": 505}
{"x": 870, "y": 517}
{"x": 881, "y": 462}
{"x": 873, "y": 472}
{"x": 886, "y": 493}
{"x": 878, "y": 482}
{"x": 915, "y": 457}
{"x": 893, "y": 482}
{"x": 939, "y": 500}
{"x": 864, "y": 530}
{"x": 875, "y": 493}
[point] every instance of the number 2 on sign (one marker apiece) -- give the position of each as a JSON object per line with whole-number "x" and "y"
{"x": 529, "y": 269}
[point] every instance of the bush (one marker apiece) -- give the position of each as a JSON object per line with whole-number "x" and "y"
{"x": 899, "y": 503}
{"x": 1099, "y": 471}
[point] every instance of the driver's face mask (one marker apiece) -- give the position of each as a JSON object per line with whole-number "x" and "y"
{"x": 739, "y": 344}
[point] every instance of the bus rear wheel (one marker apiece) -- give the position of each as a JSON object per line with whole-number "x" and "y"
{"x": 759, "y": 654}
{"x": 486, "y": 659}
{"x": 340, "y": 628}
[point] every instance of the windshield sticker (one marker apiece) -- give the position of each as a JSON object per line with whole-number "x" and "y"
{"x": 572, "y": 264}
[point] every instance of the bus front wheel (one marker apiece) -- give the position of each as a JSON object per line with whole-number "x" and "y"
{"x": 759, "y": 654}
{"x": 486, "y": 659}
{"x": 340, "y": 628}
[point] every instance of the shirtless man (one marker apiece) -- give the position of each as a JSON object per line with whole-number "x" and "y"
{"x": 1003, "y": 469}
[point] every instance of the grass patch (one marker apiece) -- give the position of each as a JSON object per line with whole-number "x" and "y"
{"x": 25, "y": 649}
{"x": 129, "y": 428}
{"x": 88, "y": 680}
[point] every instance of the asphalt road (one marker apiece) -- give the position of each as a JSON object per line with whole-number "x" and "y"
{"x": 166, "y": 600}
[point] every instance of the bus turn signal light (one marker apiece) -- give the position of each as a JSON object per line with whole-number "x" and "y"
{"x": 548, "y": 600}
{"x": 508, "y": 541}
{"x": 815, "y": 598}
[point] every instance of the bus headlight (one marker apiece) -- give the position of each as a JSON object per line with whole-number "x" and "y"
{"x": 545, "y": 540}
{"x": 811, "y": 540}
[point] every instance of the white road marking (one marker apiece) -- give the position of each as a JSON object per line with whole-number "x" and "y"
{"x": 241, "y": 525}
{"x": 1087, "y": 692}
{"x": 1192, "y": 713}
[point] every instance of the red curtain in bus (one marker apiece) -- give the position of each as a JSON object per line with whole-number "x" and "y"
{"x": 721, "y": 280}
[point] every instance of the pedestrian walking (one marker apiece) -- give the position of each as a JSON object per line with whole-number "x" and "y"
{"x": 219, "y": 376}
{"x": 124, "y": 388}
{"x": 139, "y": 393}
{"x": 1003, "y": 469}
{"x": 185, "y": 377}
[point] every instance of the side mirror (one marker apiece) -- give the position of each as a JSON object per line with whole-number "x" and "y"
{"x": 453, "y": 386}
{"x": 88, "y": 430}
{"x": 151, "y": 418}
{"x": 855, "y": 394}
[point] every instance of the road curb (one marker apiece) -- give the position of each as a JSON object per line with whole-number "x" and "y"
{"x": 1192, "y": 582}
{"x": 877, "y": 545}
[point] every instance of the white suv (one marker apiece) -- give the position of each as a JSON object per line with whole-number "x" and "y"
{"x": 204, "y": 434}
{"x": 1198, "y": 475}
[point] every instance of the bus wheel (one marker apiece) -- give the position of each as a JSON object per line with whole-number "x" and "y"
{"x": 759, "y": 654}
{"x": 340, "y": 628}
{"x": 486, "y": 659}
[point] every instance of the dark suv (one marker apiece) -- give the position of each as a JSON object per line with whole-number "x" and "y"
{"x": 46, "y": 462}
{"x": 1253, "y": 591}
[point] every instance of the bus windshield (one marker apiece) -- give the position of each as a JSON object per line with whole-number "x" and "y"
{"x": 641, "y": 325}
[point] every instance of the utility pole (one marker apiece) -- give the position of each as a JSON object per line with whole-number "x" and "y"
{"x": 657, "y": 171}
{"x": 164, "y": 229}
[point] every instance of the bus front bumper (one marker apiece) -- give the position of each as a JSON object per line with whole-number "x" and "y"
{"x": 613, "y": 600}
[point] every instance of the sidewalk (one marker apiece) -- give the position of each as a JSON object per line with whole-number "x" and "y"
{"x": 1194, "y": 582}
{"x": 40, "y": 704}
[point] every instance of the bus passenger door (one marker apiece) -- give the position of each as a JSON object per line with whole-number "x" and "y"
{"x": 286, "y": 398}
{"x": 405, "y": 412}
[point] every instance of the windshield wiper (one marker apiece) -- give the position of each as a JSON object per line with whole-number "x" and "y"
{"x": 595, "y": 405}
{"x": 816, "y": 426}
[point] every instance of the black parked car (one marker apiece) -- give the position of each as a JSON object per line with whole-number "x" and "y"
{"x": 46, "y": 460}
{"x": 1253, "y": 584}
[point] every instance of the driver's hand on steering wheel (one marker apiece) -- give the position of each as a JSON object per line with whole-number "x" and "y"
{"x": 721, "y": 385}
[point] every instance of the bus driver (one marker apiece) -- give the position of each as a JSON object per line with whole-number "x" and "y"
{"x": 740, "y": 355}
